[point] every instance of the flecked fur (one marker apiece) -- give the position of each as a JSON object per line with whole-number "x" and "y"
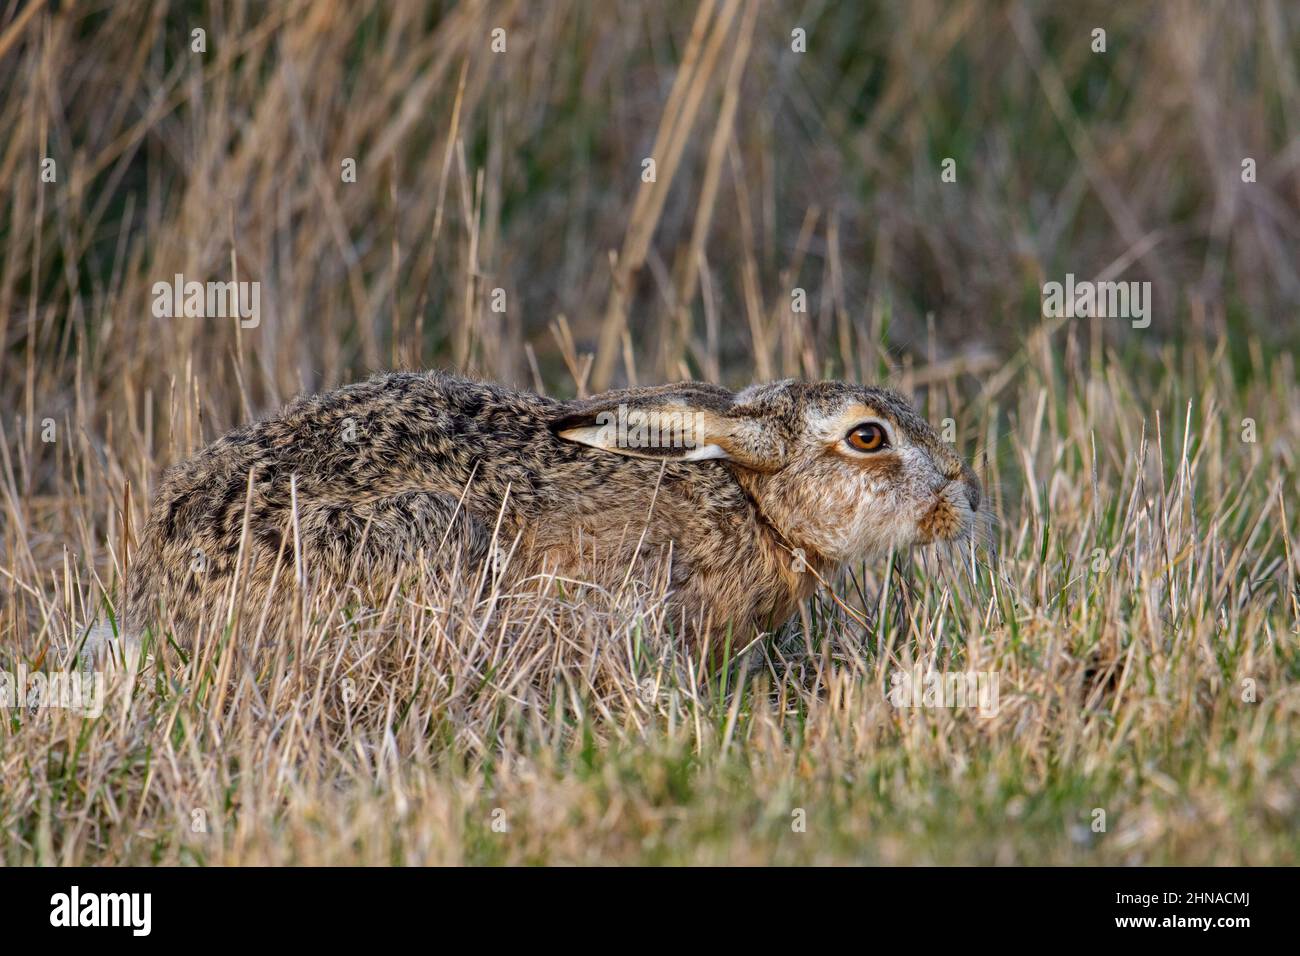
{"x": 416, "y": 472}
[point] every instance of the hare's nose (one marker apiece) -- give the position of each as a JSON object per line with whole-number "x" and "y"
{"x": 973, "y": 495}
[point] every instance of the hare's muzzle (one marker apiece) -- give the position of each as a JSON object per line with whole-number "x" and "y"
{"x": 961, "y": 474}
{"x": 956, "y": 504}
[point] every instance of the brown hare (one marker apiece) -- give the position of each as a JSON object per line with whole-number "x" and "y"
{"x": 740, "y": 501}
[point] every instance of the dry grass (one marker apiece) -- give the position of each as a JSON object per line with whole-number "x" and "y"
{"x": 1145, "y": 563}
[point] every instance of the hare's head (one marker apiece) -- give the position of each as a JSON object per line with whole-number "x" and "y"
{"x": 846, "y": 471}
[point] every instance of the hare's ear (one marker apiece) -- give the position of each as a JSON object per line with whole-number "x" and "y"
{"x": 683, "y": 423}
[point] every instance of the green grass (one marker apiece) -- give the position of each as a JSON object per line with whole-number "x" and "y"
{"x": 578, "y": 722}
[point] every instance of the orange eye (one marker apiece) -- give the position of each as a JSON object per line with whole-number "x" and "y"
{"x": 870, "y": 436}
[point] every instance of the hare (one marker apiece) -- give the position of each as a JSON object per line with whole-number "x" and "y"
{"x": 740, "y": 501}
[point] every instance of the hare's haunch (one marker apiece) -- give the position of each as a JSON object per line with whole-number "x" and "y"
{"x": 741, "y": 501}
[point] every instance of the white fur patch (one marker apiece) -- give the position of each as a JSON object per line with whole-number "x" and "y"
{"x": 598, "y": 436}
{"x": 104, "y": 649}
{"x": 591, "y": 435}
{"x": 704, "y": 453}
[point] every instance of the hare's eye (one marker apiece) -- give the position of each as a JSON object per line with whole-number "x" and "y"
{"x": 870, "y": 436}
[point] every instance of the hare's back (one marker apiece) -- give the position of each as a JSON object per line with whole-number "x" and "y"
{"x": 395, "y": 433}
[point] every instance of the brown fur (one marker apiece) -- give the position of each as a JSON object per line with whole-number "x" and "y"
{"x": 424, "y": 467}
